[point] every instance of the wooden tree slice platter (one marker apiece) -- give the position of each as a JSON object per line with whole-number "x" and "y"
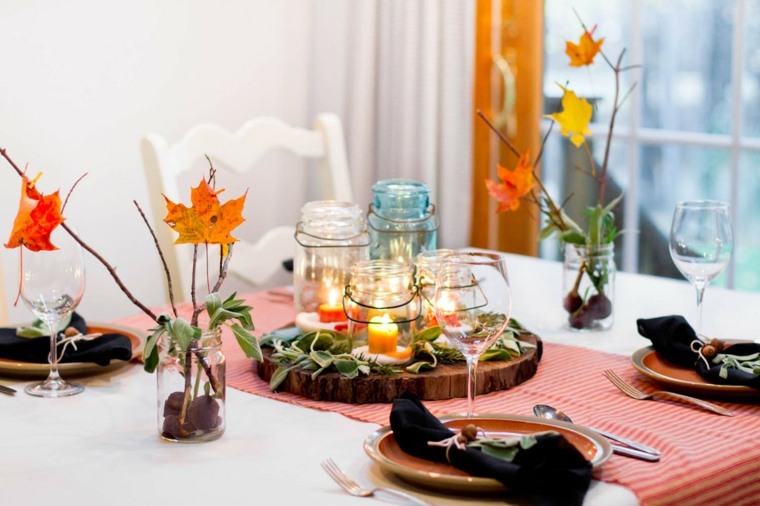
{"x": 443, "y": 382}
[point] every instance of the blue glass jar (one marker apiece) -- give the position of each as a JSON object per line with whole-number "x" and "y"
{"x": 402, "y": 221}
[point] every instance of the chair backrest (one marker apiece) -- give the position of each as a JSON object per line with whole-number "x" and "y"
{"x": 239, "y": 151}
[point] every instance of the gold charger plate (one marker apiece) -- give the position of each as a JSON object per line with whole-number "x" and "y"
{"x": 650, "y": 363}
{"x": 19, "y": 369}
{"x": 382, "y": 447}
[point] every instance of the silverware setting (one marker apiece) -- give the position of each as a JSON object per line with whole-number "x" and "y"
{"x": 354, "y": 488}
{"x": 631, "y": 448}
{"x": 635, "y": 393}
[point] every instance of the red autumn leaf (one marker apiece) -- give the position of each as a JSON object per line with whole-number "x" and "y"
{"x": 37, "y": 217}
{"x": 207, "y": 221}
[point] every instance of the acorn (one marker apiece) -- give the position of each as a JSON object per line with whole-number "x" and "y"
{"x": 599, "y": 306}
{"x": 709, "y": 351}
{"x": 470, "y": 432}
{"x": 581, "y": 319}
{"x": 203, "y": 412}
{"x": 71, "y": 332}
{"x": 572, "y": 301}
{"x": 173, "y": 404}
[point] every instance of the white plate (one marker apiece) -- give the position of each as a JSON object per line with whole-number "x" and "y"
{"x": 20, "y": 369}
{"x": 382, "y": 447}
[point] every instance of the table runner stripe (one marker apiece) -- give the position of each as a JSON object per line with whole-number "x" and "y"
{"x": 703, "y": 461}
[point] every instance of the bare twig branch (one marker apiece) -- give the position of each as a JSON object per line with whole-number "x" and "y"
{"x": 161, "y": 255}
{"x": 66, "y": 201}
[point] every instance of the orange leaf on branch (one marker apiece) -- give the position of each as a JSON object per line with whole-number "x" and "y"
{"x": 38, "y": 215}
{"x": 583, "y": 53}
{"x": 515, "y": 184}
{"x": 207, "y": 221}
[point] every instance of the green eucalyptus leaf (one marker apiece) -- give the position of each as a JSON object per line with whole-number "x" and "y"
{"x": 322, "y": 358}
{"x": 429, "y": 334}
{"x": 572, "y": 237}
{"x": 213, "y": 303}
{"x": 348, "y": 368}
{"x": 547, "y": 231}
{"x": 418, "y": 367}
{"x": 247, "y": 342}
{"x": 184, "y": 333}
{"x": 280, "y": 375}
{"x": 495, "y": 354}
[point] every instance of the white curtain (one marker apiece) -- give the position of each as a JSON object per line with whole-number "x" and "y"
{"x": 399, "y": 73}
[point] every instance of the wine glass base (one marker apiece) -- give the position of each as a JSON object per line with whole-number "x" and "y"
{"x": 54, "y": 388}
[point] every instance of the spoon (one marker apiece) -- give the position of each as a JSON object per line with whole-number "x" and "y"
{"x": 633, "y": 449}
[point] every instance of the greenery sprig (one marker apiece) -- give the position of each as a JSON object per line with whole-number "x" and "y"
{"x": 329, "y": 351}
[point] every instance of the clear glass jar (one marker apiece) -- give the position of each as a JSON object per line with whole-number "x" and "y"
{"x": 331, "y": 237}
{"x": 402, "y": 221}
{"x": 382, "y": 305}
{"x": 589, "y": 286}
{"x": 427, "y": 264}
{"x": 191, "y": 389}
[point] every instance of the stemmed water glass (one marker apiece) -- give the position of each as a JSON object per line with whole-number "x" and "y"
{"x": 473, "y": 302}
{"x": 701, "y": 243}
{"x": 52, "y": 284}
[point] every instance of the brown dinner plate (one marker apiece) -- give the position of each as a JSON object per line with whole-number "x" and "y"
{"x": 382, "y": 447}
{"x": 19, "y": 369}
{"x": 684, "y": 379}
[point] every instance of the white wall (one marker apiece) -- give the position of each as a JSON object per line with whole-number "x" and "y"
{"x": 83, "y": 80}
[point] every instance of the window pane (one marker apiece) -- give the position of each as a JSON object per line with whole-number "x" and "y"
{"x": 595, "y": 82}
{"x": 747, "y": 225}
{"x": 751, "y": 77}
{"x": 687, "y": 65}
{"x": 668, "y": 174}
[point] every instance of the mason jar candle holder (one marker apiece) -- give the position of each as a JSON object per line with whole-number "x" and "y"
{"x": 402, "y": 221}
{"x": 382, "y": 305}
{"x": 427, "y": 264}
{"x": 331, "y": 237}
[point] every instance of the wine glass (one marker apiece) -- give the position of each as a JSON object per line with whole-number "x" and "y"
{"x": 701, "y": 243}
{"x": 52, "y": 284}
{"x": 473, "y": 302}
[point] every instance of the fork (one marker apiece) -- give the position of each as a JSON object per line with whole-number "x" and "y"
{"x": 631, "y": 391}
{"x": 354, "y": 488}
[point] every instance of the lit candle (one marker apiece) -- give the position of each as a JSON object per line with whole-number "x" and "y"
{"x": 448, "y": 306}
{"x": 332, "y": 311}
{"x": 382, "y": 335}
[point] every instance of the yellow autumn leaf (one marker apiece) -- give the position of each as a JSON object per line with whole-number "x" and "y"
{"x": 574, "y": 117}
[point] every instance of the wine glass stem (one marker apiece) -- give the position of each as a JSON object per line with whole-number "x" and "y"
{"x": 53, "y": 357}
{"x": 700, "y": 296}
{"x": 472, "y": 383}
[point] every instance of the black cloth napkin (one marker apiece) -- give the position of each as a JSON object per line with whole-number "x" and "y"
{"x": 100, "y": 351}
{"x": 672, "y": 336}
{"x": 552, "y": 472}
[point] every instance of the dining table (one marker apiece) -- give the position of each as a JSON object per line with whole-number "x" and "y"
{"x": 103, "y": 446}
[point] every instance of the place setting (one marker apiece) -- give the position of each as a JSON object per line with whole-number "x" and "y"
{"x": 52, "y": 285}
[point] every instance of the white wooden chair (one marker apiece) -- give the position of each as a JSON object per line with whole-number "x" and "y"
{"x": 239, "y": 151}
{"x": 3, "y": 298}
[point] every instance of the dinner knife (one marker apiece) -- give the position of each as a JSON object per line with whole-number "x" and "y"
{"x": 7, "y": 390}
{"x": 638, "y": 454}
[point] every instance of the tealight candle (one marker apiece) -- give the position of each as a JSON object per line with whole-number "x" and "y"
{"x": 382, "y": 335}
{"x": 448, "y": 307}
{"x": 332, "y": 311}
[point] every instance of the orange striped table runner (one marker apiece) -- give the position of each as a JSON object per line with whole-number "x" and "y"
{"x": 706, "y": 458}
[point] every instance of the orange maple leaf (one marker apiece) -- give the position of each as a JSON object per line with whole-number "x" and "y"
{"x": 207, "y": 221}
{"x": 515, "y": 184}
{"x": 37, "y": 217}
{"x": 583, "y": 53}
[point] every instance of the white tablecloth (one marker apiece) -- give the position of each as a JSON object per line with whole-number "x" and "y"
{"x": 102, "y": 446}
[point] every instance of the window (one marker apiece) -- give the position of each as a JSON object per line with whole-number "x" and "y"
{"x": 689, "y": 130}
